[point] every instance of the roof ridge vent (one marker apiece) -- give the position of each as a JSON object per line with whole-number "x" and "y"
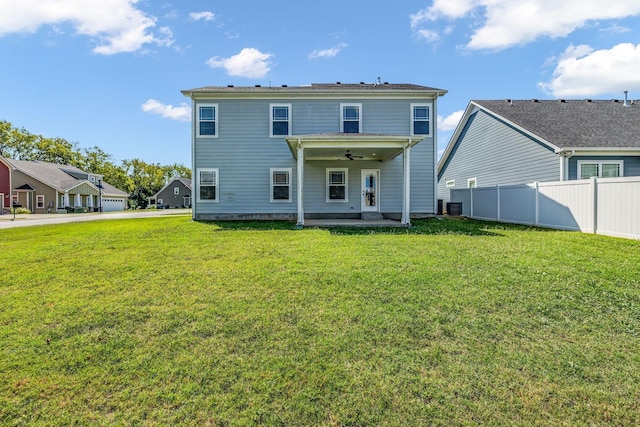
{"x": 535, "y": 100}
{"x": 626, "y": 101}
{"x": 562, "y": 101}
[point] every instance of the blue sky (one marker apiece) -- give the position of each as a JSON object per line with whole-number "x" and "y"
{"x": 109, "y": 72}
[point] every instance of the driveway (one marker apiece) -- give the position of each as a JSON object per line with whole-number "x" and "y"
{"x": 26, "y": 220}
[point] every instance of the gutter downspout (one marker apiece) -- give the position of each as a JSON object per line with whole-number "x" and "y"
{"x": 564, "y": 163}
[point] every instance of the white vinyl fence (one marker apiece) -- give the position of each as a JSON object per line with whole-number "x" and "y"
{"x": 608, "y": 206}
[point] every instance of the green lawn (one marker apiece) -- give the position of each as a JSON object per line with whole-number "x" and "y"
{"x": 165, "y": 321}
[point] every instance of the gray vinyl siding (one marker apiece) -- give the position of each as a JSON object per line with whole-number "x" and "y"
{"x": 631, "y": 165}
{"x": 495, "y": 153}
{"x": 244, "y": 153}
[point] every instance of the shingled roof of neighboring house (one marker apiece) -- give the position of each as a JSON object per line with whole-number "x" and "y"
{"x": 58, "y": 177}
{"x": 573, "y": 123}
{"x": 317, "y": 88}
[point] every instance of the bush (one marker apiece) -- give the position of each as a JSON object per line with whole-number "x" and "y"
{"x": 20, "y": 211}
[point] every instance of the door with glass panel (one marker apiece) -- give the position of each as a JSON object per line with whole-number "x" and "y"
{"x": 370, "y": 190}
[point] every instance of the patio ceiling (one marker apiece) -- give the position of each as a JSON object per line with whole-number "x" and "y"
{"x": 333, "y": 146}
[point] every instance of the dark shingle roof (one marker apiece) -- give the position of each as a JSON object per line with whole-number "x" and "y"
{"x": 574, "y": 123}
{"x": 317, "y": 87}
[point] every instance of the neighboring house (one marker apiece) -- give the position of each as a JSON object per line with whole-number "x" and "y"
{"x": 44, "y": 187}
{"x": 317, "y": 151}
{"x": 5, "y": 186}
{"x": 513, "y": 142}
{"x": 176, "y": 194}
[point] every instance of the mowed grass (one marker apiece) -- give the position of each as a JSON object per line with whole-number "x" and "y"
{"x": 165, "y": 321}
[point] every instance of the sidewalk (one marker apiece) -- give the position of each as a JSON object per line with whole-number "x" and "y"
{"x": 26, "y": 220}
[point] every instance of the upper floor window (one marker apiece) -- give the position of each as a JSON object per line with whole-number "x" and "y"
{"x": 207, "y": 125}
{"x": 601, "y": 169}
{"x": 472, "y": 183}
{"x": 281, "y": 185}
{"x": 176, "y": 190}
{"x": 280, "y": 119}
{"x": 208, "y": 188}
{"x": 420, "y": 119}
{"x": 350, "y": 118}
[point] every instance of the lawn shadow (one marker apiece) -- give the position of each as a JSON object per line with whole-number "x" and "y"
{"x": 429, "y": 226}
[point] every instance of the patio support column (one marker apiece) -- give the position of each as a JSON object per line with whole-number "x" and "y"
{"x": 300, "y": 172}
{"x": 66, "y": 199}
{"x": 406, "y": 185}
{"x": 78, "y": 201}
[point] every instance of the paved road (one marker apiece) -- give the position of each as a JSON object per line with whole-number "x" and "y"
{"x": 26, "y": 220}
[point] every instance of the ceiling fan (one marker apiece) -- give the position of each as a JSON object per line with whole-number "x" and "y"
{"x": 350, "y": 156}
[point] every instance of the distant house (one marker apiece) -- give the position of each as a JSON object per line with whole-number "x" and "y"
{"x": 5, "y": 185}
{"x": 345, "y": 151}
{"x": 44, "y": 187}
{"x": 520, "y": 141}
{"x": 176, "y": 194}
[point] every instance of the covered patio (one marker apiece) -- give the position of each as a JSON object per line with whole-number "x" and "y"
{"x": 353, "y": 147}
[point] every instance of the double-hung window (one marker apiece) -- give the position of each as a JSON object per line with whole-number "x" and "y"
{"x": 420, "y": 119}
{"x": 208, "y": 187}
{"x": 176, "y": 190}
{"x": 351, "y": 118}
{"x": 600, "y": 169}
{"x": 40, "y": 202}
{"x": 280, "y": 185}
{"x": 207, "y": 126}
{"x": 337, "y": 188}
{"x": 279, "y": 120}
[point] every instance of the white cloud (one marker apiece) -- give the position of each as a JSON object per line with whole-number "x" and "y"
{"x": 250, "y": 63}
{"x": 429, "y": 35}
{"x": 327, "y": 53}
{"x": 450, "y": 122}
{"x": 206, "y": 16}
{"x": 582, "y": 71}
{"x": 116, "y": 25}
{"x": 180, "y": 113}
{"x": 505, "y": 23}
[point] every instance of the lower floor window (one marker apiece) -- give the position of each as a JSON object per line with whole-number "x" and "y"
{"x": 337, "y": 185}
{"x": 40, "y": 202}
{"x": 208, "y": 185}
{"x": 281, "y": 185}
{"x": 605, "y": 169}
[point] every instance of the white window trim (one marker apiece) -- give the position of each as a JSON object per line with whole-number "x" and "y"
{"x": 215, "y": 120}
{"x": 346, "y": 185}
{"x": 429, "y": 119}
{"x": 620, "y": 163}
{"x": 176, "y": 191}
{"x": 450, "y": 183}
{"x": 472, "y": 183}
{"x": 359, "y": 115}
{"x": 160, "y": 202}
{"x": 271, "y": 185}
{"x": 289, "y": 121}
{"x": 217, "y": 178}
{"x": 40, "y": 197}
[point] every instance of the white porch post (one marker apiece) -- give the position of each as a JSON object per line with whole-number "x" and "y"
{"x": 406, "y": 185}
{"x": 90, "y": 201}
{"x": 78, "y": 201}
{"x": 66, "y": 199}
{"x": 300, "y": 171}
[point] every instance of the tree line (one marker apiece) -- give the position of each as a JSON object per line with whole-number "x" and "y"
{"x": 136, "y": 177}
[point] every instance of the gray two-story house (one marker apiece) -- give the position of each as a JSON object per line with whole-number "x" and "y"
{"x": 345, "y": 151}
